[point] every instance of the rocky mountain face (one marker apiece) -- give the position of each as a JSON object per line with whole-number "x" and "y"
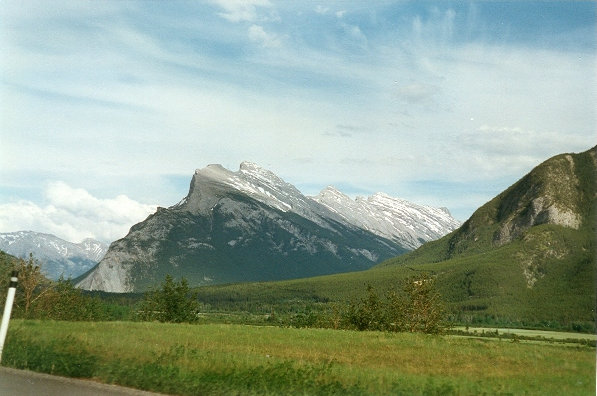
{"x": 56, "y": 256}
{"x": 251, "y": 225}
{"x": 528, "y": 254}
{"x": 406, "y": 223}
{"x": 560, "y": 191}
{"x": 528, "y": 257}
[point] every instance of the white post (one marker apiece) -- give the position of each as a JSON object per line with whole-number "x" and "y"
{"x": 10, "y": 298}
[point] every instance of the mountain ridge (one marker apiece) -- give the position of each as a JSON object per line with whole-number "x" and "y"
{"x": 551, "y": 193}
{"x": 249, "y": 224}
{"x": 532, "y": 247}
{"x": 404, "y": 224}
{"x": 57, "y": 256}
{"x": 544, "y": 277}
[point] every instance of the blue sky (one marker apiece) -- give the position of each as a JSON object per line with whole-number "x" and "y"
{"x": 107, "y": 107}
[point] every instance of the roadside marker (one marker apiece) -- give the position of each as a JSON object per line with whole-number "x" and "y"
{"x": 10, "y": 298}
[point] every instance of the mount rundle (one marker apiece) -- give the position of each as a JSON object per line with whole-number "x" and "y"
{"x": 251, "y": 225}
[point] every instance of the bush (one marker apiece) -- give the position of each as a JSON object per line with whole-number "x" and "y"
{"x": 415, "y": 308}
{"x": 65, "y": 302}
{"x": 38, "y": 297}
{"x": 173, "y": 302}
{"x": 367, "y": 314}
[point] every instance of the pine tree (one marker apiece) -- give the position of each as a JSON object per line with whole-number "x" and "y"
{"x": 172, "y": 302}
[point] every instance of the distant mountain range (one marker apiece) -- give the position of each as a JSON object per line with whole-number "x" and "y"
{"x": 56, "y": 256}
{"x": 251, "y": 225}
{"x": 406, "y": 223}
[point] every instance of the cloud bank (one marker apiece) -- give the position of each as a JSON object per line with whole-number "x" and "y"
{"x": 73, "y": 214}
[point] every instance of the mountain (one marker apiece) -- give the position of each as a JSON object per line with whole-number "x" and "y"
{"x": 558, "y": 192}
{"x": 251, "y": 225}
{"x": 525, "y": 258}
{"x": 529, "y": 253}
{"x": 408, "y": 224}
{"x": 57, "y": 256}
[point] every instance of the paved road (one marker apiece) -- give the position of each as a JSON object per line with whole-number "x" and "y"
{"x": 27, "y": 383}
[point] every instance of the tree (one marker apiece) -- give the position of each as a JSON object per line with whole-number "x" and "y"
{"x": 172, "y": 302}
{"x": 32, "y": 282}
{"x": 7, "y": 264}
{"x": 420, "y": 308}
{"x": 417, "y": 307}
{"x": 366, "y": 314}
{"x": 65, "y": 302}
{"x": 38, "y": 297}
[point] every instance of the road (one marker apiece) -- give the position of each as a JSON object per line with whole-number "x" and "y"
{"x": 27, "y": 383}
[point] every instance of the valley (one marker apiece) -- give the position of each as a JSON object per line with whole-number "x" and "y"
{"x": 521, "y": 267}
{"x": 266, "y": 197}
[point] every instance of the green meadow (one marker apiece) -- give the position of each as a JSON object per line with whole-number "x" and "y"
{"x": 225, "y": 359}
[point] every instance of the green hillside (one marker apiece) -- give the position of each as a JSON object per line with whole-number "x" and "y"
{"x": 512, "y": 260}
{"x": 526, "y": 258}
{"x": 559, "y": 191}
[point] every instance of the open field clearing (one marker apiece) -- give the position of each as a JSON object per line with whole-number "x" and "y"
{"x": 554, "y": 335}
{"x": 234, "y": 359}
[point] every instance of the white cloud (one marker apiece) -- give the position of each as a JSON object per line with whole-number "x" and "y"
{"x": 438, "y": 27}
{"x": 74, "y": 214}
{"x": 241, "y": 10}
{"x": 515, "y": 148}
{"x": 267, "y": 40}
{"x": 321, "y": 9}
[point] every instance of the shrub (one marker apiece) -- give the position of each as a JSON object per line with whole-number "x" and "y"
{"x": 368, "y": 313}
{"x": 65, "y": 302}
{"x": 172, "y": 302}
{"x": 415, "y": 308}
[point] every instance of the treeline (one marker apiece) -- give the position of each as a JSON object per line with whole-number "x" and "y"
{"x": 408, "y": 304}
{"x": 38, "y": 297}
{"x": 415, "y": 306}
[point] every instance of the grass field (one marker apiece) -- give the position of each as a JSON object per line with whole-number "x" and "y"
{"x": 220, "y": 359}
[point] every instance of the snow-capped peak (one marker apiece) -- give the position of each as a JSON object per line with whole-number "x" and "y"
{"x": 256, "y": 182}
{"x": 397, "y": 219}
{"x": 333, "y": 192}
{"x": 255, "y": 170}
{"x": 57, "y": 256}
{"x": 394, "y": 218}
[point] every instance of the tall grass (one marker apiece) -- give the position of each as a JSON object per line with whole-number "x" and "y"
{"x": 230, "y": 359}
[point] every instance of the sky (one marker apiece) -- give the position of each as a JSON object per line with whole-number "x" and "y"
{"x": 108, "y": 107}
